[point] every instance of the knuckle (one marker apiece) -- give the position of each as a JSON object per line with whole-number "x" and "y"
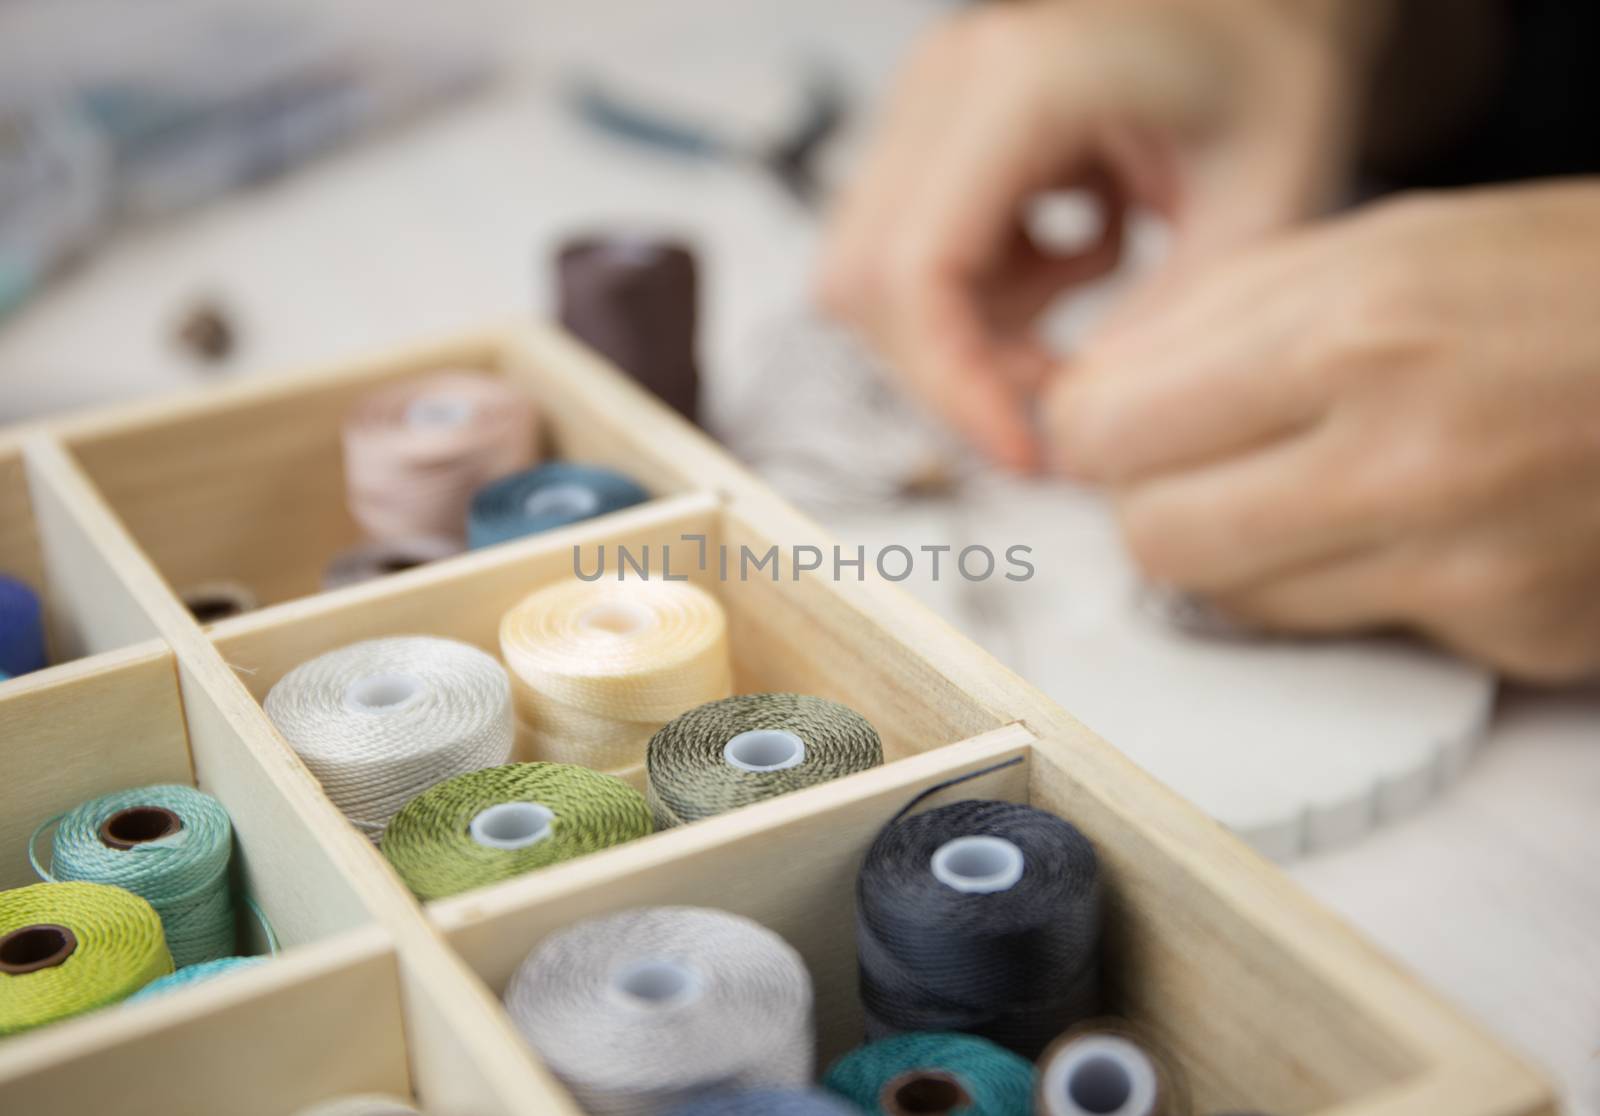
{"x": 1155, "y": 542}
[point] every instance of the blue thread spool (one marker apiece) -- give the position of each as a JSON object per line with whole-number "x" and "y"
{"x": 541, "y": 499}
{"x": 21, "y": 628}
{"x": 198, "y": 973}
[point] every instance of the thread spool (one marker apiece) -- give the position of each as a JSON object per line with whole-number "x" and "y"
{"x": 982, "y": 917}
{"x": 641, "y": 1011}
{"x": 169, "y": 844}
{"x": 500, "y": 822}
{"x": 635, "y": 300}
{"x": 415, "y": 452}
{"x": 379, "y": 722}
{"x": 211, "y": 601}
{"x": 545, "y": 498}
{"x": 748, "y": 748}
{"x": 1107, "y": 1068}
{"x": 198, "y": 973}
{"x": 934, "y": 1073}
{"x": 22, "y": 646}
{"x": 768, "y": 1102}
{"x": 68, "y": 948}
{"x": 598, "y": 667}
{"x": 368, "y": 1104}
{"x": 372, "y": 560}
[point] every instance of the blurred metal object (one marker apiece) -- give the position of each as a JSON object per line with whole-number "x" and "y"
{"x": 790, "y": 158}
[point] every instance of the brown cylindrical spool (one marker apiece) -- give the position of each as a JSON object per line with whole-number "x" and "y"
{"x": 636, "y": 300}
{"x": 40, "y": 945}
{"x": 923, "y": 1092}
{"x": 1171, "y": 1093}
{"x": 211, "y": 601}
{"x": 137, "y": 825}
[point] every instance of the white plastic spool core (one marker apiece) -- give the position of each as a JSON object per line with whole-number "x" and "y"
{"x": 382, "y": 693}
{"x": 568, "y": 500}
{"x": 616, "y": 618}
{"x": 765, "y": 750}
{"x": 438, "y": 412}
{"x": 657, "y": 984}
{"x": 511, "y": 825}
{"x": 978, "y": 865}
{"x": 1100, "y": 1075}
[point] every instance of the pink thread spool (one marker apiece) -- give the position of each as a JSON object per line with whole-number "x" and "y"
{"x": 414, "y": 453}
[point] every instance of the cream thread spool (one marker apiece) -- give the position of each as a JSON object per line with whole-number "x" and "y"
{"x": 381, "y": 721}
{"x": 597, "y": 668}
{"x": 415, "y": 453}
{"x": 643, "y": 1010}
{"x": 365, "y": 1104}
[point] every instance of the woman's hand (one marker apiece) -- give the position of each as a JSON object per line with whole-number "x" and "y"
{"x": 1393, "y": 417}
{"x": 1228, "y": 116}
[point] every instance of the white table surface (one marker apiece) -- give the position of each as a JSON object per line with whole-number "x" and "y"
{"x": 1492, "y": 893}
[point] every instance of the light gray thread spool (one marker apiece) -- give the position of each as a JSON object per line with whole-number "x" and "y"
{"x": 640, "y": 1011}
{"x": 381, "y": 721}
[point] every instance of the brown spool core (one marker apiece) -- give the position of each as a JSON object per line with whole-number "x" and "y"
{"x": 138, "y": 824}
{"x": 28, "y": 949}
{"x": 398, "y": 565}
{"x": 206, "y": 609}
{"x": 923, "y": 1093}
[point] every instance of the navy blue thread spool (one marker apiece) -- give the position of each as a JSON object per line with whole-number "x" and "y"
{"x": 542, "y": 499}
{"x": 981, "y": 917}
{"x": 21, "y": 629}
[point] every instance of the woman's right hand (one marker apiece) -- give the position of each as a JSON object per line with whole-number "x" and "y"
{"x": 1229, "y": 117}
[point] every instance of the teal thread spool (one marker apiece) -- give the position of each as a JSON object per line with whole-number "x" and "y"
{"x": 170, "y": 845}
{"x": 197, "y": 973}
{"x": 934, "y": 1073}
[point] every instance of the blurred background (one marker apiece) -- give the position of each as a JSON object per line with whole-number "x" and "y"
{"x": 197, "y": 190}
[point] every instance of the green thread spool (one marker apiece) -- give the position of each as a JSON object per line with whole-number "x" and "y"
{"x": 170, "y": 844}
{"x": 486, "y": 826}
{"x": 744, "y": 749}
{"x": 68, "y": 948}
{"x": 934, "y": 1073}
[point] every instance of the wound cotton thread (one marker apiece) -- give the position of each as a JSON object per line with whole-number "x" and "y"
{"x": 641, "y": 1011}
{"x": 415, "y": 452}
{"x": 934, "y": 1073}
{"x": 1108, "y": 1068}
{"x": 490, "y": 825}
{"x": 68, "y": 948}
{"x": 598, "y": 667}
{"x": 198, "y": 973}
{"x": 752, "y": 747}
{"x": 22, "y": 648}
{"x": 370, "y": 561}
{"x": 172, "y": 845}
{"x": 981, "y": 917}
{"x": 769, "y": 1102}
{"x": 545, "y": 498}
{"x": 379, "y": 722}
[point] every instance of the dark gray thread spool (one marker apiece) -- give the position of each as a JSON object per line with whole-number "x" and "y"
{"x": 636, "y": 300}
{"x": 980, "y": 917}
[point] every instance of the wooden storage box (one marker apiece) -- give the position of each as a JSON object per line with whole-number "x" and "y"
{"x": 1271, "y": 1004}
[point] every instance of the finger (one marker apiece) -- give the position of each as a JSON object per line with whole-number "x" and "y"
{"x": 1231, "y": 525}
{"x": 1225, "y": 367}
{"x": 1366, "y": 590}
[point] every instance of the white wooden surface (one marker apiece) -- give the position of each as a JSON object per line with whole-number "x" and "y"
{"x": 1491, "y": 893}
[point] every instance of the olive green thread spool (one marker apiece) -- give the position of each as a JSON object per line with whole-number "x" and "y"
{"x": 752, "y": 747}
{"x": 68, "y": 948}
{"x": 490, "y": 825}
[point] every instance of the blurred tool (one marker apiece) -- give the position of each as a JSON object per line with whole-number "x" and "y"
{"x": 790, "y": 157}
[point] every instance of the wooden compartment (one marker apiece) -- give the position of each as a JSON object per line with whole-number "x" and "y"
{"x": 1269, "y": 1001}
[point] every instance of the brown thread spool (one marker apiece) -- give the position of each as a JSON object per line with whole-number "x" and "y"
{"x": 923, "y": 1092}
{"x": 138, "y": 825}
{"x": 1109, "y": 1068}
{"x": 636, "y": 300}
{"x": 42, "y": 945}
{"x": 211, "y": 601}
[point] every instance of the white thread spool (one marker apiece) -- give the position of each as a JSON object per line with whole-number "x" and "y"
{"x": 381, "y": 721}
{"x": 512, "y": 825}
{"x": 978, "y": 865}
{"x": 1099, "y": 1075}
{"x": 569, "y": 501}
{"x": 598, "y": 667}
{"x": 765, "y": 750}
{"x": 641, "y": 1011}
